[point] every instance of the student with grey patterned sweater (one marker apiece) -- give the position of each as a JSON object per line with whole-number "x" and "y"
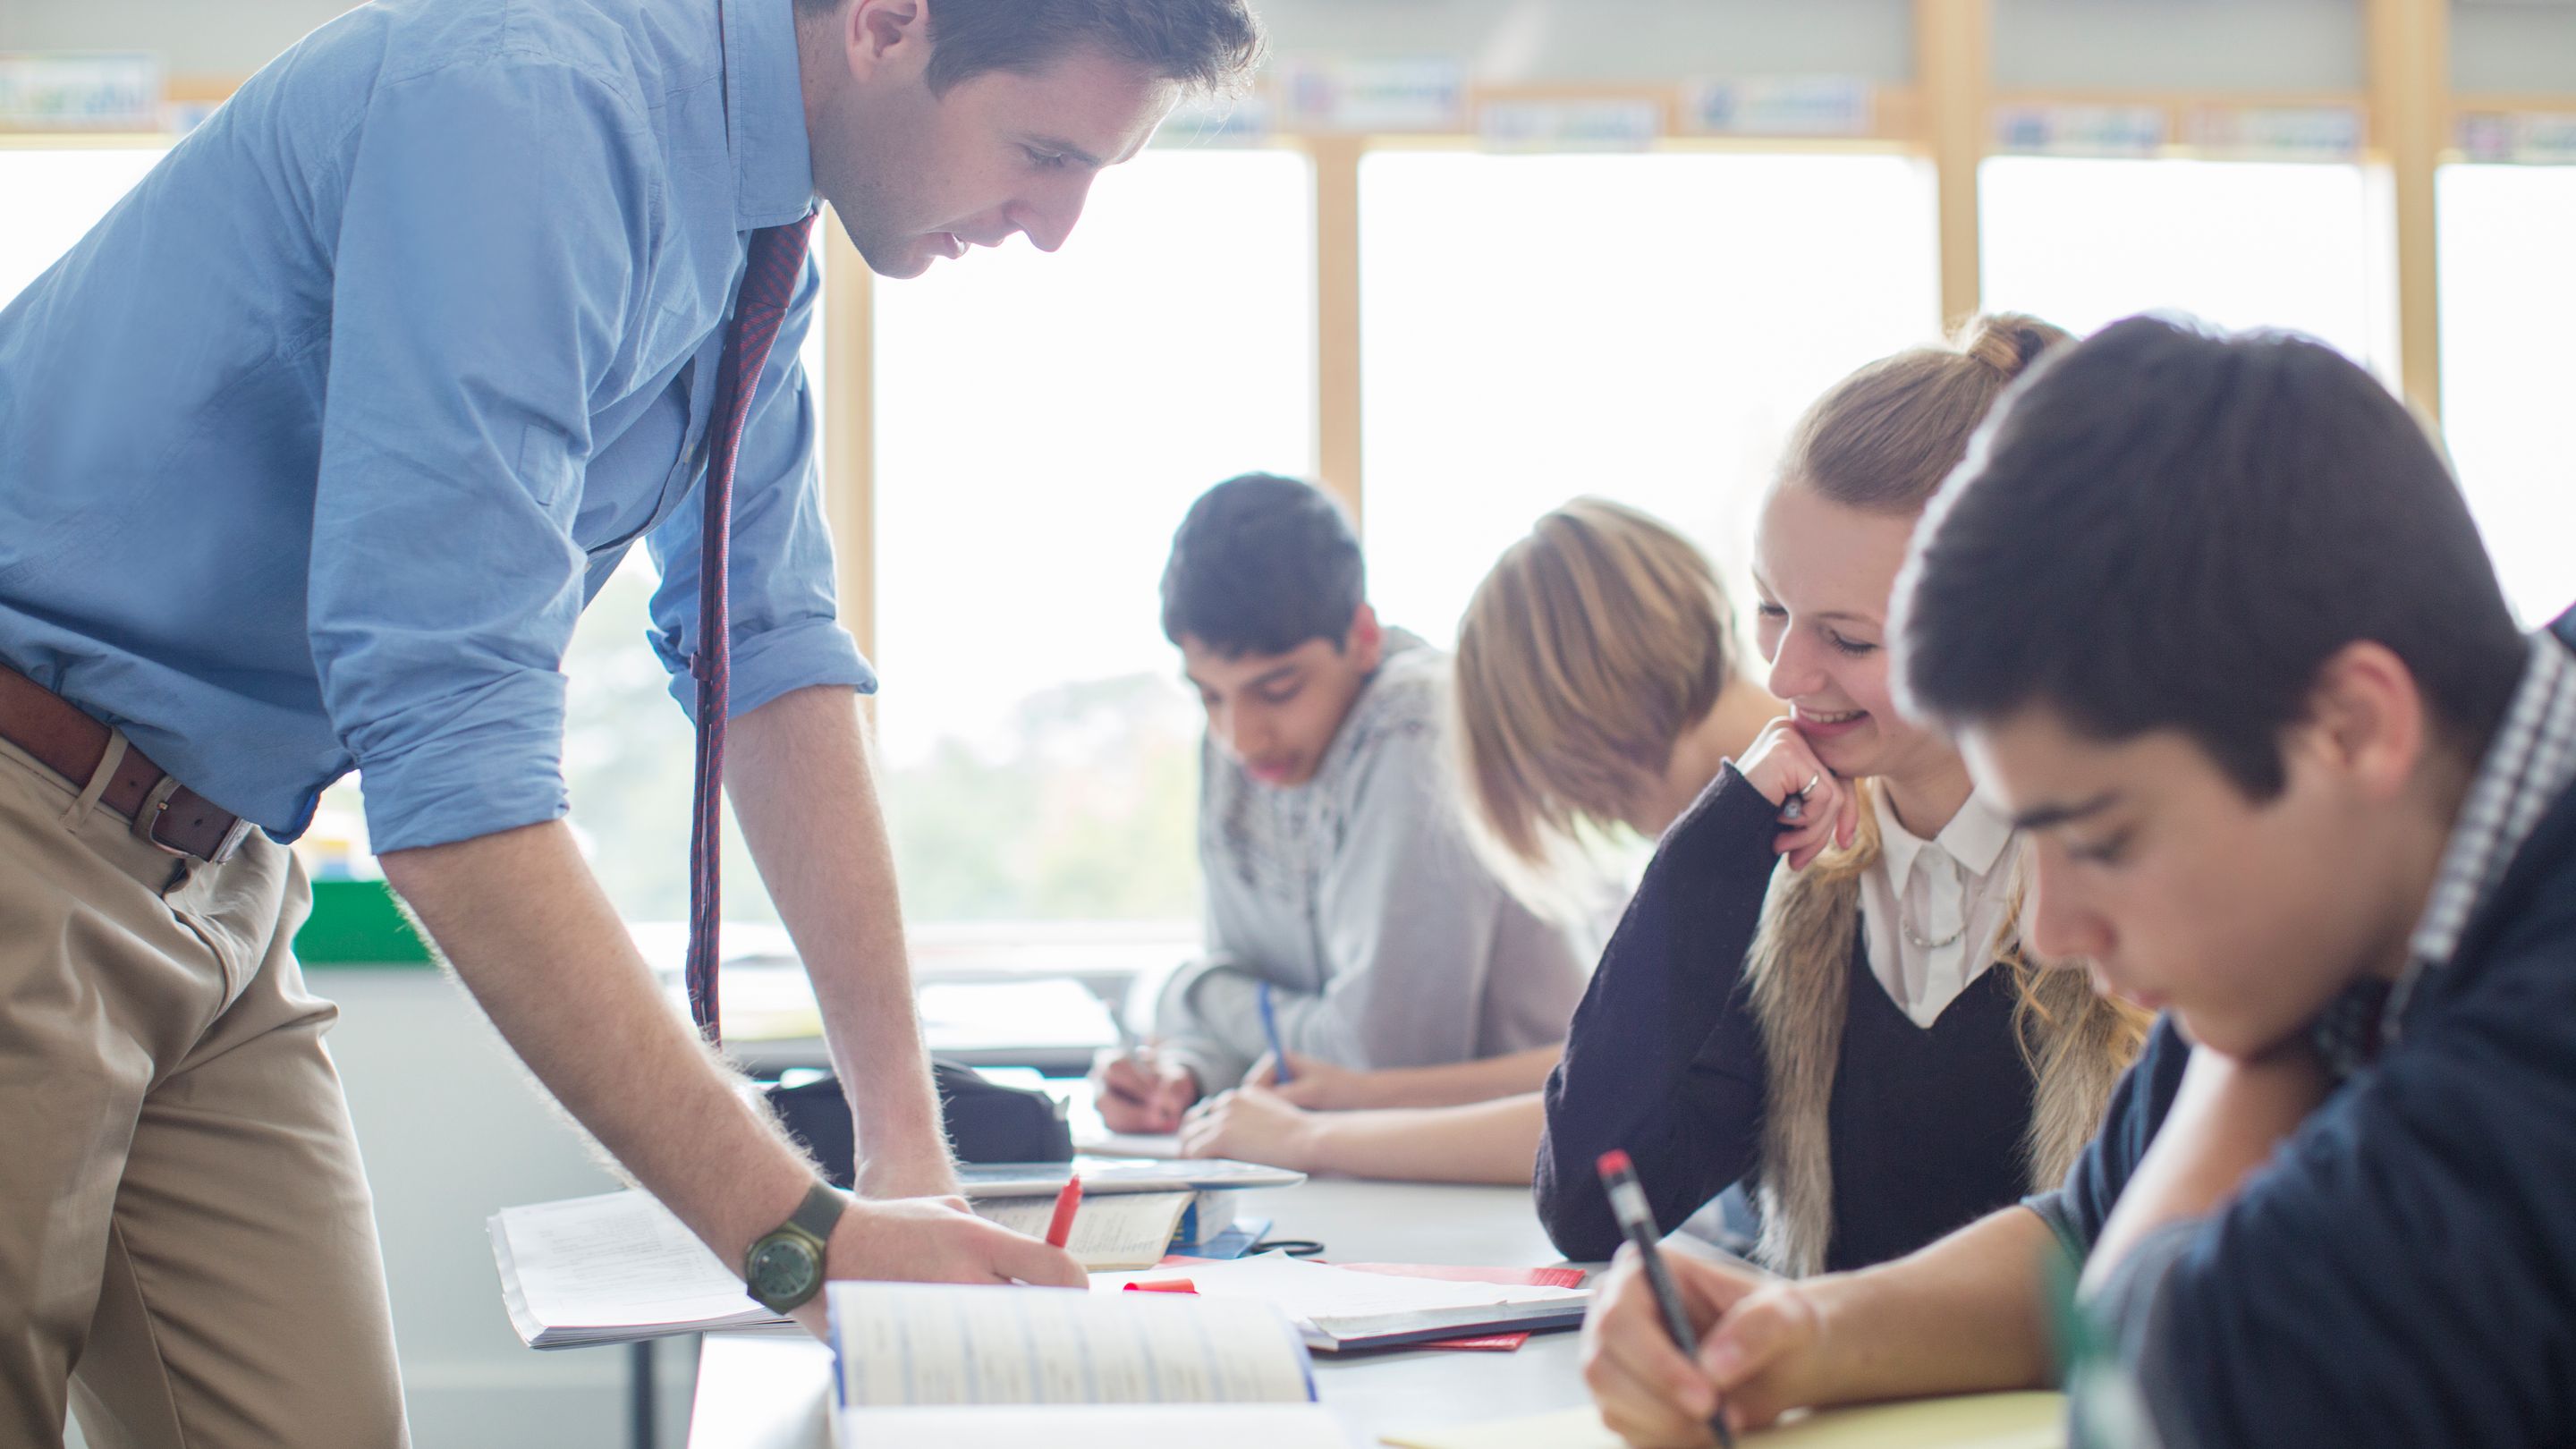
{"x": 1337, "y": 871}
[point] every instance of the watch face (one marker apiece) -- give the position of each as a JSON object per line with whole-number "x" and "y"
{"x": 783, "y": 1271}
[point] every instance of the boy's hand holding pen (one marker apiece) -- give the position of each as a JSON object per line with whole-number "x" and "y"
{"x": 1138, "y": 1089}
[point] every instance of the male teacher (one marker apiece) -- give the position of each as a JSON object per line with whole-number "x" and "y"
{"x": 310, "y": 454}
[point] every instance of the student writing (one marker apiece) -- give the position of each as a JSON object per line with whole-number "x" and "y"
{"x": 2210, "y": 617}
{"x": 1598, "y": 689}
{"x": 1333, "y": 864}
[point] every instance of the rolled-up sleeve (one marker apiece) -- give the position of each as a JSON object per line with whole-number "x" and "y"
{"x": 487, "y": 268}
{"x": 2076, "y": 1209}
{"x": 780, "y": 589}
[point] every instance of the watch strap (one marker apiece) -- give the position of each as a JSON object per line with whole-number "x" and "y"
{"x": 819, "y": 1212}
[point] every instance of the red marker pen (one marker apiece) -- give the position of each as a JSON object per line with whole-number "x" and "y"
{"x": 1060, "y": 1227}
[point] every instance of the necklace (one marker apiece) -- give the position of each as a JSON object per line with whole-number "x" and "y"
{"x": 1916, "y": 938}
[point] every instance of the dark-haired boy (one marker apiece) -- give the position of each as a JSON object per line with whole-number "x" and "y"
{"x": 2211, "y": 620}
{"x": 1335, "y": 868}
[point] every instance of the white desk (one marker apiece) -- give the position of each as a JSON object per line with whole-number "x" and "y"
{"x": 769, "y": 1391}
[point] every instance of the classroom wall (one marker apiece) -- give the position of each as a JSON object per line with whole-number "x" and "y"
{"x": 454, "y": 1129}
{"x": 2509, "y": 45}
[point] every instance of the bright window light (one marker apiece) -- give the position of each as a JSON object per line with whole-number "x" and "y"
{"x": 1642, "y": 327}
{"x": 53, "y": 197}
{"x": 2508, "y": 310}
{"x": 2237, "y": 243}
{"x": 1042, "y": 423}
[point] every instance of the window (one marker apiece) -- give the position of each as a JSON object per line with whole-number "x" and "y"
{"x": 1643, "y": 327}
{"x": 1042, "y": 422}
{"x": 55, "y": 196}
{"x": 2086, "y": 242}
{"x": 2508, "y": 310}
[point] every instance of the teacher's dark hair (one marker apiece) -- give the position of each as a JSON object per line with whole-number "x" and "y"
{"x": 1208, "y": 46}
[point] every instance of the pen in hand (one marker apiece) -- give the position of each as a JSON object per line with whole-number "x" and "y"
{"x": 1637, "y": 1220}
{"x": 1068, "y": 1200}
{"x": 1280, "y": 1075}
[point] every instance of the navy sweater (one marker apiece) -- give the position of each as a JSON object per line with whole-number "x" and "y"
{"x": 2403, "y": 1271}
{"x": 1665, "y": 1060}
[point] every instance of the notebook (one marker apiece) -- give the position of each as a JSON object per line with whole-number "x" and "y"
{"x": 1966, "y": 1421}
{"x": 1342, "y": 1309}
{"x": 948, "y": 1365}
{"x": 1486, "y": 1342}
{"x": 1113, "y": 1231}
{"x": 1102, "y": 1175}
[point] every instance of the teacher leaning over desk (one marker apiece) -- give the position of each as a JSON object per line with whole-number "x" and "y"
{"x": 311, "y": 452}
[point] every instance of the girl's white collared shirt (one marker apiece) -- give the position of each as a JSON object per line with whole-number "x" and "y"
{"x": 1929, "y": 908}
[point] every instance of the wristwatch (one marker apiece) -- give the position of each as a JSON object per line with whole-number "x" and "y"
{"x": 785, "y": 1266}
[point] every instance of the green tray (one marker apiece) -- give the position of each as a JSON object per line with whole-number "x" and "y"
{"x": 357, "y": 923}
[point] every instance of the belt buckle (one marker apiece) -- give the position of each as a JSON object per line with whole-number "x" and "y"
{"x": 234, "y": 835}
{"x": 156, "y": 803}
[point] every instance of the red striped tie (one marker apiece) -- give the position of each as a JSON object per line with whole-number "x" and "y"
{"x": 768, "y": 283}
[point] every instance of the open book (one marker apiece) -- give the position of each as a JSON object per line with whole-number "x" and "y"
{"x": 957, "y": 1366}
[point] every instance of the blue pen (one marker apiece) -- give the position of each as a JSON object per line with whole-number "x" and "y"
{"x": 1270, "y": 1029}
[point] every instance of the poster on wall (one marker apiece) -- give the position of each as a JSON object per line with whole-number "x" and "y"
{"x": 2040, "y": 130}
{"x": 2275, "y": 133}
{"x": 1813, "y": 105}
{"x": 2526, "y": 138}
{"x": 1604, "y": 124}
{"x": 80, "y": 91}
{"x": 1339, "y": 94}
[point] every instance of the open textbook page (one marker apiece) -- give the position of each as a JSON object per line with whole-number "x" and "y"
{"x": 1096, "y": 1426}
{"x": 914, "y": 1345}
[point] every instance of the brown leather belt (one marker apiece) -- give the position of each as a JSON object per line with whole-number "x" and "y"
{"x": 70, "y": 743}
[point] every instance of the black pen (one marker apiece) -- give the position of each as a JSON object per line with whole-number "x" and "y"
{"x": 1637, "y": 1220}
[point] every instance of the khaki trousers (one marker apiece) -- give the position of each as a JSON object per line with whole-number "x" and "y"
{"x": 187, "y": 1245}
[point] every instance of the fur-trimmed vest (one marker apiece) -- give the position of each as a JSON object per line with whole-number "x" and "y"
{"x": 1799, "y": 975}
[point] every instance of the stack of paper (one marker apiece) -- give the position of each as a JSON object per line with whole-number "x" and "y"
{"x": 612, "y": 1268}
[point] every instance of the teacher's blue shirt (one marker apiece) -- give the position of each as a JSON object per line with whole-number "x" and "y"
{"x": 314, "y": 448}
